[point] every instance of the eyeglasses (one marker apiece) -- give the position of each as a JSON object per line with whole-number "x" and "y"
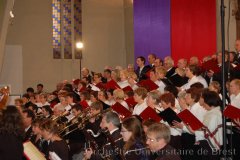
{"x": 150, "y": 139}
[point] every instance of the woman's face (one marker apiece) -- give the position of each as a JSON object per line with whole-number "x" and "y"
{"x": 125, "y": 134}
{"x": 150, "y": 101}
{"x": 123, "y": 76}
{"x": 36, "y": 130}
{"x": 46, "y": 135}
{"x": 189, "y": 99}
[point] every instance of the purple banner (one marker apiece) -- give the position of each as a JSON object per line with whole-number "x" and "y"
{"x": 152, "y": 28}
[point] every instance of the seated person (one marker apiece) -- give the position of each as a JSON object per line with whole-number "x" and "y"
{"x": 157, "y": 138}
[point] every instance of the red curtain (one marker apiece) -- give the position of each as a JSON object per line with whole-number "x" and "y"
{"x": 193, "y": 28}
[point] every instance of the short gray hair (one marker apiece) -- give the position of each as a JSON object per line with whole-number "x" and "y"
{"x": 113, "y": 118}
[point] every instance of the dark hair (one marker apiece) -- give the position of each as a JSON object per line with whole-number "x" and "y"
{"x": 195, "y": 93}
{"x": 142, "y": 59}
{"x": 48, "y": 109}
{"x": 34, "y": 107}
{"x": 40, "y": 85}
{"x": 69, "y": 86}
{"x": 11, "y": 122}
{"x": 30, "y": 113}
{"x": 197, "y": 85}
{"x": 70, "y": 94}
{"x": 211, "y": 98}
{"x": 50, "y": 126}
{"x": 86, "y": 94}
{"x": 108, "y": 71}
{"x": 193, "y": 69}
{"x": 26, "y": 96}
{"x": 148, "y": 122}
{"x": 133, "y": 125}
{"x": 77, "y": 107}
{"x": 37, "y": 122}
{"x": 172, "y": 89}
{"x": 30, "y": 89}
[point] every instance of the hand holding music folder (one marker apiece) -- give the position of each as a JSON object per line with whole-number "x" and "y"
{"x": 169, "y": 115}
{"x": 121, "y": 110}
{"x": 31, "y": 152}
{"x": 189, "y": 119}
{"x": 150, "y": 113}
{"x": 232, "y": 112}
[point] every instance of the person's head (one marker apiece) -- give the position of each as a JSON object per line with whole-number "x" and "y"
{"x": 85, "y": 72}
{"x": 158, "y": 62}
{"x": 192, "y": 96}
{"x": 191, "y": 71}
{"x": 102, "y": 95}
{"x": 123, "y": 75}
{"x": 107, "y": 73}
{"x": 115, "y": 75}
{"x": 28, "y": 117}
{"x": 168, "y": 62}
{"x": 209, "y": 99}
{"x": 36, "y": 126}
{"x": 47, "y": 111}
{"x": 160, "y": 72}
{"x": 153, "y": 99}
{"x": 18, "y": 102}
{"x": 76, "y": 109}
{"x": 30, "y": 91}
{"x": 219, "y": 57}
{"x": 235, "y": 87}
{"x": 110, "y": 94}
{"x": 214, "y": 86}
{"x": 110, "y": 121}
{"x": 70, "y": 97}
{"x": 158, "y": 136}
{"x": 153, "y": 76}
{"x": 96, "y": 107}
{"x": 118, "y": 94}
{"x": 140, "y": 94}
{"x": 11, "y": 121}
{"x": 167, "y": 100}
{"x": 130, "y": 68}
{"x": 85, "y": 95}
{"x": 33, "y": 107}
{"x": 232, "y": 56}
{"x": 197, "y": 85}
{"x": 171, "y": 89}
{"x": 81, "y": 85}
{"x": 194, "y": 61}
{"x": 131, "y": 131}
{"x": 151, "y": 58}
{"x": 39, "y": 88}
{"x": 49, "y": 129}
{"x": 25, "y": 98}
{"x": 58, "y": 109}
{"x": 97, "y": 78}
{"x": 140, "y": 61}
{"x": 182, "y": 63}
{"x": 147, "y": 123}
{"x": 43, "y": 98}
{"x": 94, "y": 96}
{"x": 237, "y": 45}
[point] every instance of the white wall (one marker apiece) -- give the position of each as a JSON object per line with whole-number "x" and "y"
{"x": 232, "y": 25}
{"x": 12, "y": 70}
{"x": 103, "y": 37}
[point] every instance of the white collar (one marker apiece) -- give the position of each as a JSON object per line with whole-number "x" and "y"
{"x": 26, "y": 129}
{"x": 111, "y": 132}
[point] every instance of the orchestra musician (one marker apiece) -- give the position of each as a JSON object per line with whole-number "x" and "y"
{"x": 28, "y": 117}
{"x": 112, "y": 148}
{"x": 57, "y": 145}
{"x": 157, "y": 139}
{"x": 134, "y": 138}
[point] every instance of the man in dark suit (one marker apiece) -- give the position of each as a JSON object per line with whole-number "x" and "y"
{"x": 28, "y": 117}
{"x": 151, "y": 59}
{"x": 86, "y": 73}
{"x": 157, "y": 139}
{"x": 169, "y": 66}
{"x": 112, "y": 148}
{"x": 141, "y": 69}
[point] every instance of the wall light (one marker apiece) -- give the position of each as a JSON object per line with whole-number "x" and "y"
{"x": 79, "y": 45}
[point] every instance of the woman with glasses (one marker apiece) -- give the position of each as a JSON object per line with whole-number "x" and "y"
{"x": 134, "y": 139}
